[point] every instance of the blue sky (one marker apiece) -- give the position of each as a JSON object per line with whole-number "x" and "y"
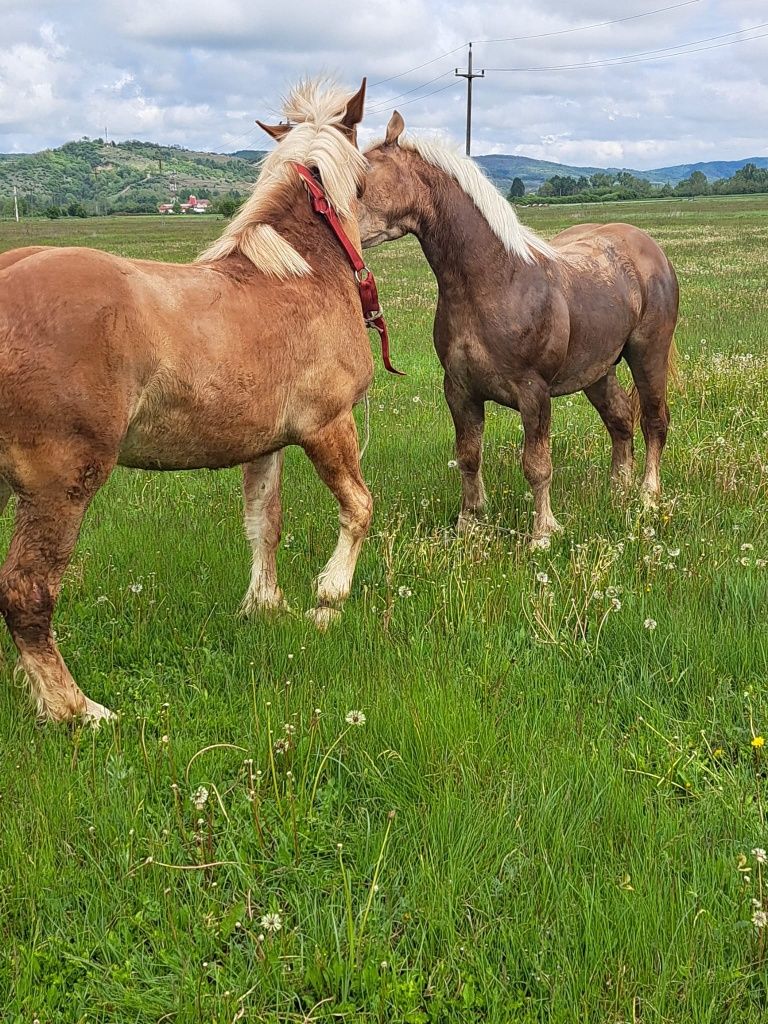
{"x": 198, "y": 73}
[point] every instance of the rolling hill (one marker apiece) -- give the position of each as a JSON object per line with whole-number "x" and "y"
{"x": 135, "y": 176}
{"x": 121, "y": 177}
{"x": 502, "y": 169}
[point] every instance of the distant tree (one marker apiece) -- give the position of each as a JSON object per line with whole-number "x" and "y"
{"x": 227, "y": 206}
{"x": 696, "y": 185}
{"x": 176, "y": 206}
{"x": 76, "y": 210}
{"x": 516, "y": 189}
{"x": 602, "y": 180}
{"x": 52, "y": 212}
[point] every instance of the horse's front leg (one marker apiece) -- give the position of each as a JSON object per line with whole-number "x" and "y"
{"x": 336, "y": 457}
{"x": 263, "y": 524}
{"x": 536, "y": 412}
{"x": 469, "y": 420}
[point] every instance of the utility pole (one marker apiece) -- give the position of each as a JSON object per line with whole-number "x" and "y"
{"x": 16, "y": 203}
{"x": 469, "y": 76}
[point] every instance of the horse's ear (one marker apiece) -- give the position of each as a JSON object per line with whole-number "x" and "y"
{"x": 353, "y": 115}
{"x": 275, "y": 131}
{"x": 395, "y": 129}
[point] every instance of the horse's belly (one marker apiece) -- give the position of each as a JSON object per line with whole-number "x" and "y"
{"x": 201, "y": 432}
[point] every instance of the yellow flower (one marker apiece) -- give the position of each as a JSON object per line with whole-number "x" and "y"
{"x": 718, "y": 753}
{"x": 758, "y": 741}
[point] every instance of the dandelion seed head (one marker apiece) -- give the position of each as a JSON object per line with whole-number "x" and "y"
{"x": 200, "y": 798}
{"x": 650, "y": 624}
{"x": 354, "y": 718}
{"x": 271, "y": 922}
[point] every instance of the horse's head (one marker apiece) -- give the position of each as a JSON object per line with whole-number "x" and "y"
{"x": 386, "y": 207}
{"x": 346, "y": 120}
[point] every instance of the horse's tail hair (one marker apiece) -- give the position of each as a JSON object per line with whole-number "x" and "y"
{"x": 673, "y": 378}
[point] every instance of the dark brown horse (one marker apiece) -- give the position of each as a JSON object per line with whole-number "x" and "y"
{"x": 258, "y": 345}
{"x": 520, "y": 321}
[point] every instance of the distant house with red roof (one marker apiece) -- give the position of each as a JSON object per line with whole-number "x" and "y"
{"x": 192, "y": 205}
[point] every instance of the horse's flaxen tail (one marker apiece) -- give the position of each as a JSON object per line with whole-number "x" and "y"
{"x": 673, "y": 378}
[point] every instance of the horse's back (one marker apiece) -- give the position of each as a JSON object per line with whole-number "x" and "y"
{"x": 618, "y": 250}
{"x": 12, "y": 256}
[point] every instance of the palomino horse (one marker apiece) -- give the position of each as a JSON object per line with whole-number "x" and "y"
{"x": 107, "y": 361}
{"x": 520, "y": 321}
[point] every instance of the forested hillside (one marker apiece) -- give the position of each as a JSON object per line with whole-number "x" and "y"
{"x": 127, "y": 177}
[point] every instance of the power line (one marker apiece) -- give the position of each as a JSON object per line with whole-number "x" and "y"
{"x": 418, "y": 67}
{"x": 409, "y": 91}
{"x": 416, "y": 99}
{"x": 537, "y": 35}
{"x": 586, "y": 28}
{"x": 644, "y": 55}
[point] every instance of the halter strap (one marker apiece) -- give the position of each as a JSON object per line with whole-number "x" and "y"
{"x": 366, "y": 283}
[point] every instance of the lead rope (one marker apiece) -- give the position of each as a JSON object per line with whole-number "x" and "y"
{"x": 367, "y": 422}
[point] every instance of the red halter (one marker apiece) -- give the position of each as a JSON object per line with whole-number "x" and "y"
{"x": 369, "y": 297}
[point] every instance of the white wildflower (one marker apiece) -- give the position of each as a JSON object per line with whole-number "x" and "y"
{"x": 354, "y": 718}
{"x": 404, "y": 592}
{"x": 760, "y": 855}
{"x": 542, "y": 577}
{"x": 760, "y": 919}
{"x": 650, "y": 624}
{"x": 616, "y": 604}
{"x": 271, "y": 922}
{"x": 452, "y": 463}
{"x": 136, "y": 588}
{"x": 200, "y": 797}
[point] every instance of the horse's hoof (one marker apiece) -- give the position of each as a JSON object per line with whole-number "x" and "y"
{"x": 466, "y": 523}
{"x": 273, "y": 605}
{"x": 323, "y": 616}
{"x": 650, "y": 500}
{"x": 95, "y": 714}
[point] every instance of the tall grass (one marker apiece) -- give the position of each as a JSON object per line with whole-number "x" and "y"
{"x": 569, "y": 740}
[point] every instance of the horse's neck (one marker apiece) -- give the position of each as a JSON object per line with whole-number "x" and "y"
{"x": 457, "y": 240}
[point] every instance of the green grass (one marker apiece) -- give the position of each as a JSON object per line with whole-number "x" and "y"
{"x": 573, "y": 791}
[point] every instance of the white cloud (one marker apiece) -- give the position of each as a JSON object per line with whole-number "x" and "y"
{"x": 200, "y": 73}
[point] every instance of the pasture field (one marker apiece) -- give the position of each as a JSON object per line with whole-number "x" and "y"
{"x": 549, "y": 811}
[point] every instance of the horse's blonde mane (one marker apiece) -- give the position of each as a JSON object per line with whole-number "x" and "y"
{"x": 516, "y": 238}
{"x": 315, "y": 108}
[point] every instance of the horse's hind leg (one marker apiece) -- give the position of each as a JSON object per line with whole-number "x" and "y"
{"x": 536, "y": 413}
{"x": 468, "y": 416}
{"x": 647, "y": 354}
{"x": 47, "y": 525}
{"x": 263, "y": 524}
{"x": 615, "y": 408}
{"x": 336, "y": 457}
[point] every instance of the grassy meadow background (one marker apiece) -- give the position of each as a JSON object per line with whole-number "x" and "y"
{"x": 548, "y": 813}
